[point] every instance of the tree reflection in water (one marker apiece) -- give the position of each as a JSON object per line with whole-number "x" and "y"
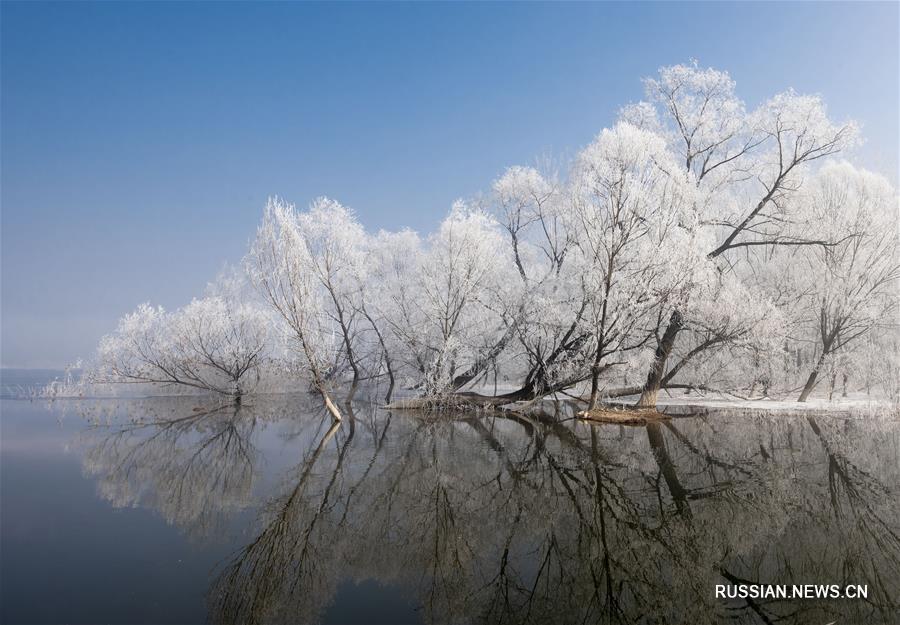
{"x": 525, "y": 519}
{"x": 193, "y": 466}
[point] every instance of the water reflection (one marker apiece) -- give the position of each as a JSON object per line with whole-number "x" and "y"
{"x": 193, "y": 469}
{"x": 521, "y": 519}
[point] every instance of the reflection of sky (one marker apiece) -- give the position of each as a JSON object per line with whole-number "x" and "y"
{"x": 25, "y": 428}
{"x": 140, "y": 141}
{"x": 66, "y": 555}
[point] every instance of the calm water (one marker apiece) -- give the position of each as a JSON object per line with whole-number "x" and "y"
{"x": 170, "y": 510}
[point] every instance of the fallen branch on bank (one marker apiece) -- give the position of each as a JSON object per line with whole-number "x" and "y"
{"x": 623, "y": 416}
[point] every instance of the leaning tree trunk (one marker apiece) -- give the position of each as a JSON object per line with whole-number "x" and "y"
{"x": 390, "y": 391}
{"x": 658, "y": 368}
{"x": 390, "y": 374}
{"x": 329, "y": 405}
{"x": 318, "y": 382}
{"x": 384, "y": 351}
{"x": 348, "y": 346}
{"x": 811, "y": 380}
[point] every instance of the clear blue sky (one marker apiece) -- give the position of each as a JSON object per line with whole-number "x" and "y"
{"x": 140, "y": 141}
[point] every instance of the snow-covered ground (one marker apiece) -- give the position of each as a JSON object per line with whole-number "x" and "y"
{"x": 855, "y": 403}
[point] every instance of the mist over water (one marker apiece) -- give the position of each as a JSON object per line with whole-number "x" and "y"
{"x": 14, "y": 383}
{"x": 176, "y": 509}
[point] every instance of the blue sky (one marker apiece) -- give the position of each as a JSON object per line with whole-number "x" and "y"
{"x": 140, "y": 140}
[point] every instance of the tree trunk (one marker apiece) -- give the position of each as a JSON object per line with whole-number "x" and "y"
{"x": 329, "y": 405}
{"x": 353, "y": 385}
{"x": 390, "y": 372}
{"x": 348, "y": 346}
{"x": 596, "y": 369}
{"x": 384, "y": 352}
{"x": 595, "y": 389}
{"x": 318, "y": 382}
{"x": 486, "y": 360}
{"x": 658, "y": 368}
{"x": 811, "y": 380}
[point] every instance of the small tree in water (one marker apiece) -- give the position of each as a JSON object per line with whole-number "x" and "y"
{"x": 211, "y": 344}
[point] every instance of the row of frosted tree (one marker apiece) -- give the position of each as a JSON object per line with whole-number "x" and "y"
{"x": 695, "y": 244}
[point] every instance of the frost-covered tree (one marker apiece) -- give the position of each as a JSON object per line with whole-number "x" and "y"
{"x": 850, "y": 288}
{"x": 750, "y": 167}
{"x": 336, "y": 245}
{"x": 211, "y": 344}
{"x": 632, "y": 218}
{"x": 390, "y": 306}
{"x": 282, "y": 267}
{"x": 442, "y": 316}
{"x": 543, "y": 307}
